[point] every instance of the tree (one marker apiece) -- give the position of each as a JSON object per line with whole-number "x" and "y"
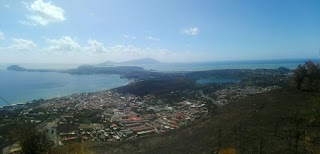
{"x": 308, "y": 74}
{"x": 299, "y": 74}
{"x": 32, "y": 141}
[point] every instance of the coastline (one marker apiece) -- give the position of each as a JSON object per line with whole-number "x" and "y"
{"x": 17, "y": 94}
{"x": 130, "y": 80}
{"x": 56, "y": 97}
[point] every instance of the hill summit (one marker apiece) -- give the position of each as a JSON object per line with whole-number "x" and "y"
{"x": 16, "y": 68}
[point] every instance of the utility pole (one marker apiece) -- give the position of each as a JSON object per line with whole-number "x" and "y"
{"x": 8, "y": 103}
{"x": 319, "y": 56}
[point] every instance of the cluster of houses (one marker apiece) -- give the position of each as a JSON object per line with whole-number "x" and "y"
{"x": 120, "y": 116}
{"x": 235, "y": 92}
{"x": 123, "y": 124}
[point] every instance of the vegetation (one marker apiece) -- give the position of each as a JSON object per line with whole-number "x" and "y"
{"x": 32, "y": 141}
{"x": 311, "y": 116}
{"x": 88, "y": 116}
{"x": 77, "y": 148}
{"x": 279, "y": 121}
{"x": 157, "y": 87}
{"x": 307, "y": 76}
{"x": 7, "y": 124}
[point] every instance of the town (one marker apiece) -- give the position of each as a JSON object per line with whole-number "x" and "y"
{"x": 107, "y": 116}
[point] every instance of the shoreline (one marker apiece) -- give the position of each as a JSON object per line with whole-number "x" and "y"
{"x": 54, "y": 97}
{"x": 128, "y": 82}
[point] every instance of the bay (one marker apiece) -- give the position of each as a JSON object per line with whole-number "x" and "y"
{"x": 18, "y": 87}
{"x": 245, "y": 64}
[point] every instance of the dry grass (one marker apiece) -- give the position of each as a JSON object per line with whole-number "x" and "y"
{"x": 77, "y": 148}
{"x": 227, "y": 151}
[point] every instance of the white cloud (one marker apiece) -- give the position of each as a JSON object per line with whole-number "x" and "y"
{"x": 129, "y": 52}
{"x": 97, "y": 52}
{"x": 129, "y": 37}
{"x": 42, "y": 13}
{"x": 125, "y": 51}
{"x": 191, "y": 31}
{"x": 22, "y": 45}
{"x": 7, "y": 6}
{"x": 24, "y": 22}
{"x": 67, "y": 50}
{"x": 2, "y": 37}
{"x": 65, "y": 43}
{"x": 152, "y": 38}
{"x": 36, "y": 20}
{"x": 94, "y": 46}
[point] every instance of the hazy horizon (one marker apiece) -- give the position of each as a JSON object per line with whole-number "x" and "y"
{"x": 251, "y": 61}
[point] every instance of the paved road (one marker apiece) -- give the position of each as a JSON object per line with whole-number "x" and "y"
{"x": 212, "y": 100}
{"x": 52, "y": 131}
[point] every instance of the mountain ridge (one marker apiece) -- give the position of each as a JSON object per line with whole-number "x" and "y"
{"x": 131, "y": 62}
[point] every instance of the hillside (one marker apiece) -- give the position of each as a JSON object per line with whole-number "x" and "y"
{"x": 156, "y": 86}
{"x": 265, "y": 123}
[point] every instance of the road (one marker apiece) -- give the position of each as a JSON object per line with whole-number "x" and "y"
{"x": 52, "y": 131}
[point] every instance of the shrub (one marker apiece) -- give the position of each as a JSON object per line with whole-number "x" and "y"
{"x": 32, "y": 141}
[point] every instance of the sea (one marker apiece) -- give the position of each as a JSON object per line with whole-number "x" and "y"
{"x": 247, "y": 64}
{"x": 21, "y": 87}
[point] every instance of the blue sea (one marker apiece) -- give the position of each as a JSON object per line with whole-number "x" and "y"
{"x": 249, "y": 64}
{"x": 18, "y": 87}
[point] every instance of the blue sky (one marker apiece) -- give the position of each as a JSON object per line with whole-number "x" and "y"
{"x": 73, "y": 31}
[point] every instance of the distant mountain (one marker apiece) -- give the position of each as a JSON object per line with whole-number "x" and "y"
{"x": 108, "y": 63}
{"x": 16, "y": 68}
{"x": 86, "y": 69}
{"x": 90, "y": 69}
{"x": 131, "y": 62}
{"x": 141, "y": 61}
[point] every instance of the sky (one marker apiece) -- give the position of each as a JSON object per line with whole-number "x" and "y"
{"x": 73, "y": 31}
